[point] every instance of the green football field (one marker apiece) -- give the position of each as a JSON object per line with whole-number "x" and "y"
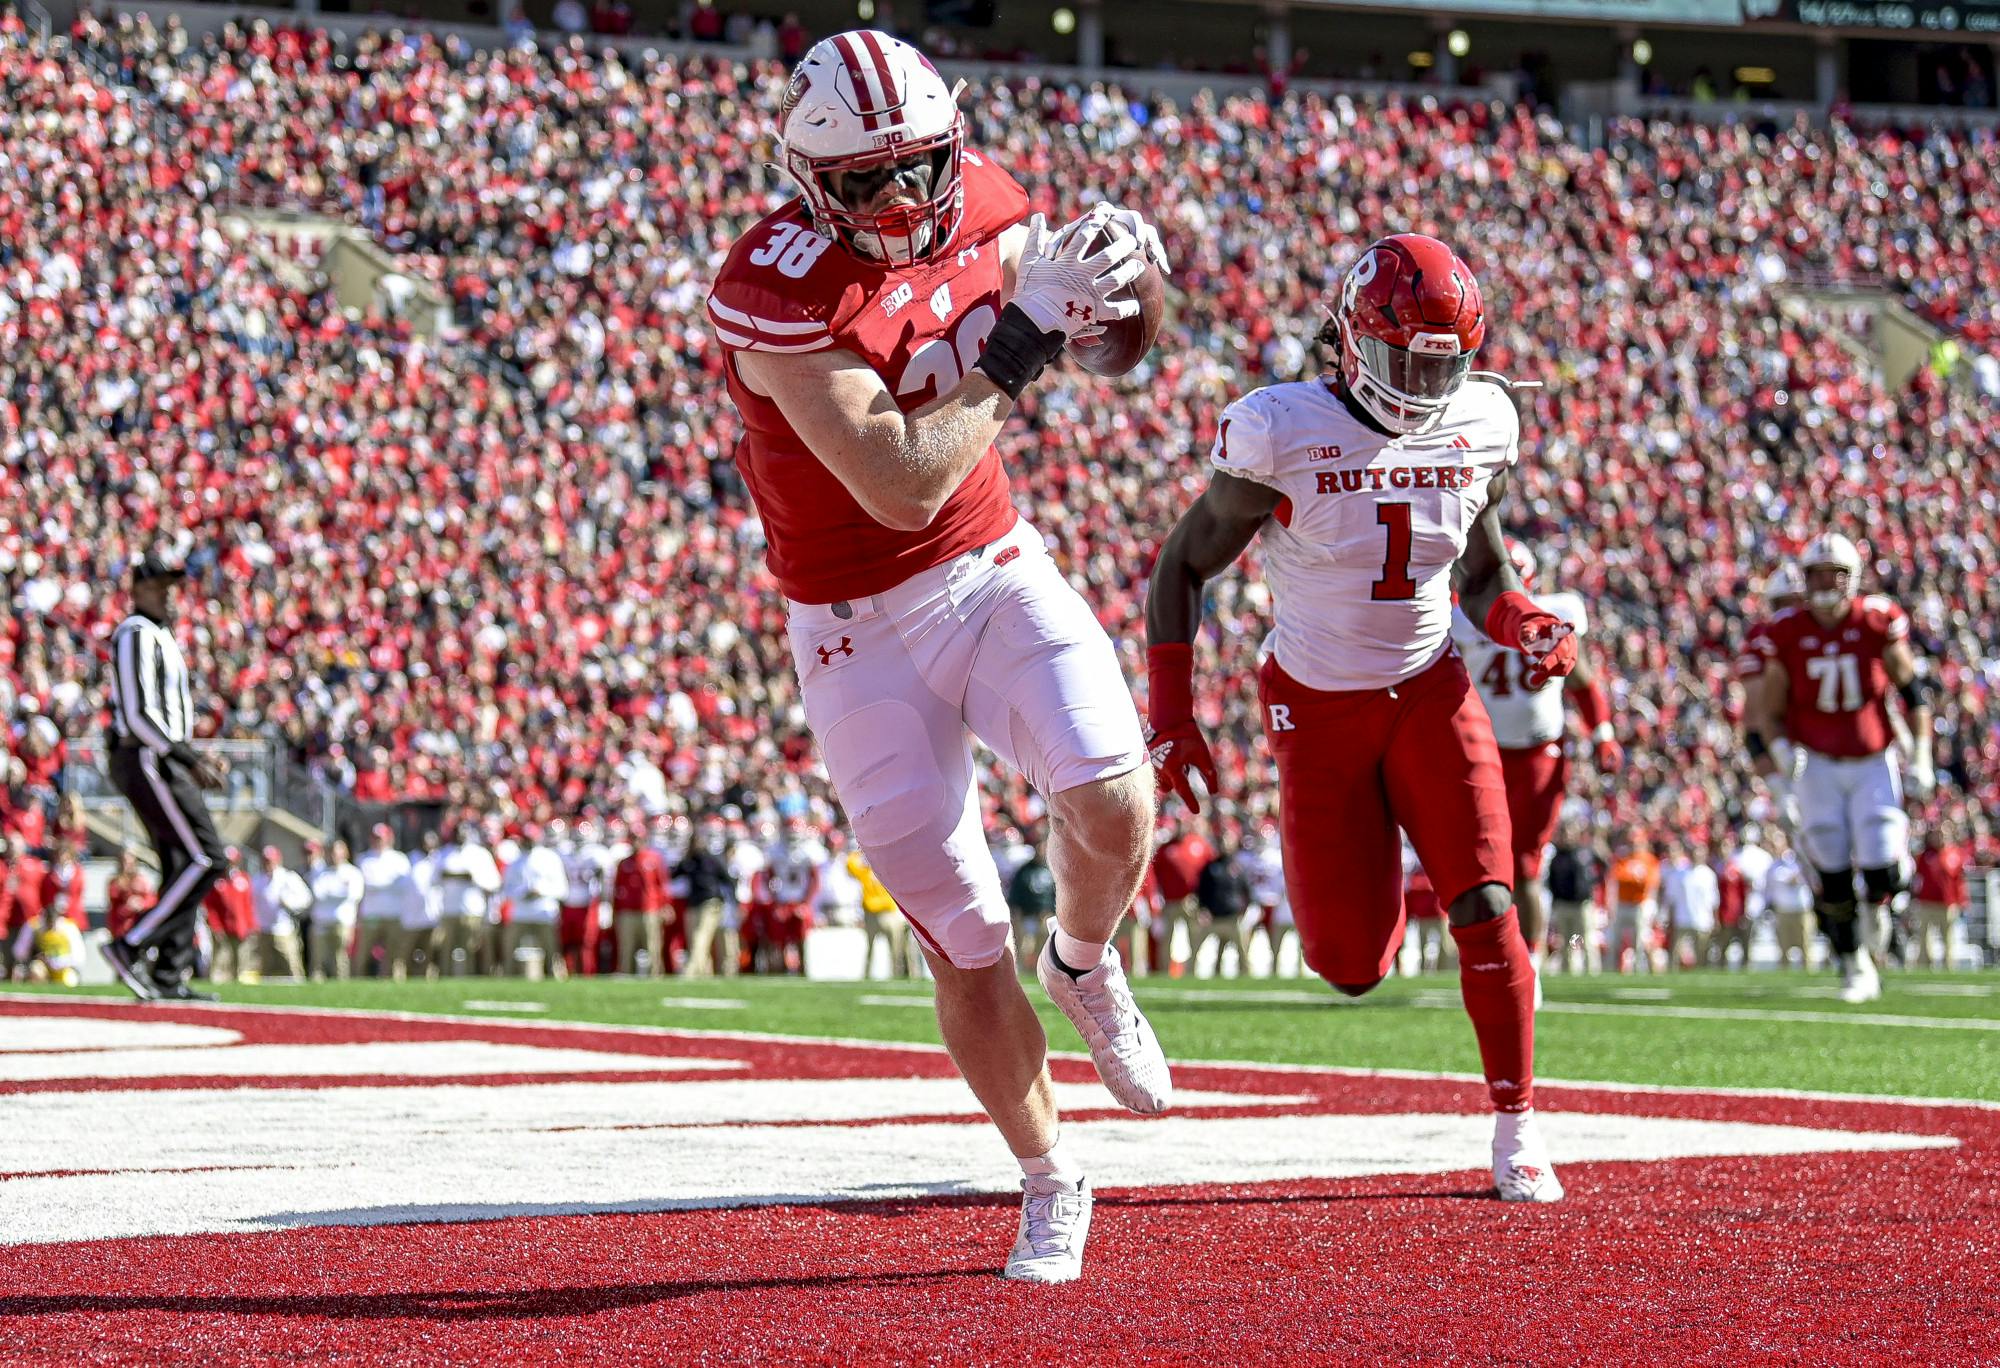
{"x": 1931, "y": 1035}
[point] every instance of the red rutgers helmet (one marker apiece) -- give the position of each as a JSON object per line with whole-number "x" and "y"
{"x": 1407, "y": 319}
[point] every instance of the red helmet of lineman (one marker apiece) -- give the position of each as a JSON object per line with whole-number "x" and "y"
{"x": 1407, "y": 319}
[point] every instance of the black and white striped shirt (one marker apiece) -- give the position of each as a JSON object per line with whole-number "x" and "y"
{"x": 151, "y": 706}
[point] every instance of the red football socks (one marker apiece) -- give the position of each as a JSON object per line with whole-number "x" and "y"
{"x": 1498, "y": 981}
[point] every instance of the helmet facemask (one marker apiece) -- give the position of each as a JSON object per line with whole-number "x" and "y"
{"x": 844, "y": 189}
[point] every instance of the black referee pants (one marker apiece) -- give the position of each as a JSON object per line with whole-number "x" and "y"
{"x": 190, "y": 851}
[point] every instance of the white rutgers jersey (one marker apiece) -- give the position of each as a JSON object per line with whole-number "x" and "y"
{"x": 1359, "y": 553}
{"x": 1522, "y": 718}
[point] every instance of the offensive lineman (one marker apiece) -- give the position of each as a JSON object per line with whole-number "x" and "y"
{"x": 1824, "y": 689}
{"x": 879, "y": 329}
{"x": 1528, "y": 724}
{"x": 1375, "y": 489}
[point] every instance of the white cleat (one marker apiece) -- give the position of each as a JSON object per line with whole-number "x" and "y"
{"x": 1538, "y": 986}
{"x": 1860, "y": 983}
{"x": 1122, "y": 1045}
{"x": 1521, "y": 1168}
{"x": 1055, "y": 1221}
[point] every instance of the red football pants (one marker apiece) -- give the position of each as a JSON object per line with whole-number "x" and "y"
{"x": 1352, "y": 767}
{"x": 1537, "y": 777}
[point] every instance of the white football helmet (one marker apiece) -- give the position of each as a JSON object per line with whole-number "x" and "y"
{"x": 1784, "y": 583}
{"x": 1831, "y": 550}
{"x": 864, "y": 102}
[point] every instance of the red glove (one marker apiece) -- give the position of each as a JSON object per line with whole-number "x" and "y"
{"x": 1172, "y": 735}
{"x": 1546, "y": 640}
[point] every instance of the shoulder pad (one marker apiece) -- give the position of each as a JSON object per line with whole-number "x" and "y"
{"x": 766, "y": 297}
{"x": 1246, "y": 440}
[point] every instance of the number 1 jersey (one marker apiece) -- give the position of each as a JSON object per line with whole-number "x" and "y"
{"x": 1359, "y": 552}
{"x": 785, "y": 288}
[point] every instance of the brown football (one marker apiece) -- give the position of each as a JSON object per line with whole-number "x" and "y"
{"x": 1126, "y": 340}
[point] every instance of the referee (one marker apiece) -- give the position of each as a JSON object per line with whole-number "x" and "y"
{"x": 152, "y": 717}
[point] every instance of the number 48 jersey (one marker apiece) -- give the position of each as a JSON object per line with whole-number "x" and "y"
{"x": 1360, "y": 549}
{"x": 1523, "y": 718}
{"x": 785, "y": 288}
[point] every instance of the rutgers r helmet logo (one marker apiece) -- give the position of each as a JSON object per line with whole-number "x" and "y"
{"x": 827, "y": 653}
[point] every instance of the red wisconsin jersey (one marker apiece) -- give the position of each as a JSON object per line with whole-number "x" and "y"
{"x": 1756, "y": 649}
{"x": 785, "y": 288}
{"x": 1837, "y": 685}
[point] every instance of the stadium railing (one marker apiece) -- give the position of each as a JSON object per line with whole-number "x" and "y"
{"x": 262, "y": 776}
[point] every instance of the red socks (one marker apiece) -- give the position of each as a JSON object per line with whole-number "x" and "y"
{"x": 1498, "y": 981}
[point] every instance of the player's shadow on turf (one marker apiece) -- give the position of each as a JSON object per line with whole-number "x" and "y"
{"x": 447, "y": 1306}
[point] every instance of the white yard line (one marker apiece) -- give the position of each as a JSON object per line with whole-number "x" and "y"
{"x": 701, "y": 1004}
{"x": 495, "y": 1005}
{"x": 1922, "y": 1023}
{"x": 1254, "y": 1065}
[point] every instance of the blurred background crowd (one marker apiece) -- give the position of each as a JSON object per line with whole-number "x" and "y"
{"x": 505, "y": 576}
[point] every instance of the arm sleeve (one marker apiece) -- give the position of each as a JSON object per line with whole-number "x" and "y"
{"x": 139, "y": 692}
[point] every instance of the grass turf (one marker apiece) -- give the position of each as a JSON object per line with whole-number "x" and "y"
{"x": 1933, "y": 1035}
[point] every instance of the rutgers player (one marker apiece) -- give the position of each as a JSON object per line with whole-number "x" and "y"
{"x": 1824, "y": 688}
{"x": 879, "y": 329}
{"x": 1375, "y": 489}
{"x": 1529, "y": 725}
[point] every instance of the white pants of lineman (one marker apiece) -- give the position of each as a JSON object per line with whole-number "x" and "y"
{"x": 996, "y": 644}
{"x": 1852, "y": 811}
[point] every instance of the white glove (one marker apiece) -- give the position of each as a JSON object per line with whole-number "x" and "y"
{"x": 1064, "y": 291}
{"x": 1921, "y": 782}
{"x": 1130, "y": 223}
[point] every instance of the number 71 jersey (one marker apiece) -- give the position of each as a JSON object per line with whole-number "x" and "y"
{"x": 1359, "y": 552}
{"x": 786, "y": 289}
{"x": 1837, "y": 686}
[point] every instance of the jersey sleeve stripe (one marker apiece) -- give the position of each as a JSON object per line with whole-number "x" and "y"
{"x": 743, "y": 343}
{"x": 724, "y": 315}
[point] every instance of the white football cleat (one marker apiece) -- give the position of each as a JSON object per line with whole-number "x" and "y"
{"x": 1860, "y": 983}
{"x": 1538, "y": 985}
{"x": 1521, "y": 1168}
{"x": 1055, "y": 1221}
{"x": 1122, "y": 1045}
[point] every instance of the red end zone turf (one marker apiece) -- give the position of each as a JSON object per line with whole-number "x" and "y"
{"x": 1879, "y": 1242}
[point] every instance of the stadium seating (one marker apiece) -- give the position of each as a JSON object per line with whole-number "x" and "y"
{"x": 432, "y": 583}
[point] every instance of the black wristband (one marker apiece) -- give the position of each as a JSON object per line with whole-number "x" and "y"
{"x": 1917, "y": 693}
{"x": 1016, "y": 351}
{"x": 1754, "y": 743}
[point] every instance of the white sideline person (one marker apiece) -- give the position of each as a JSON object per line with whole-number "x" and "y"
{"x": 879, "y": 330}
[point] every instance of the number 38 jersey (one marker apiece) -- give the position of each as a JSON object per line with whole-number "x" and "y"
{"x": 784, "y": 288}
{"x": 1360, "y": 549}
{"x": 1836, "y": 685}
{"x": 1523, "y": 718}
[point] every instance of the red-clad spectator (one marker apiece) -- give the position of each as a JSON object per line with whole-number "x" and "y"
{"x": 1177, "y": 867}
{"x": 232, "y": 919}
{"x": 62, "y": 886}
{"x": 23, "y": 879}
{"x": 127, "y": 895}
{"x": 1939, "y": 896}
{"x": 639, "y": 901}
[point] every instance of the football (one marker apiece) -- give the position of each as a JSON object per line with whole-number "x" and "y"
{"x": 1125, "y": 341}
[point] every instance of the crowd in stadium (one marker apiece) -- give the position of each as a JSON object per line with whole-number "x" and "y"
{"x": 532, "y": 592}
